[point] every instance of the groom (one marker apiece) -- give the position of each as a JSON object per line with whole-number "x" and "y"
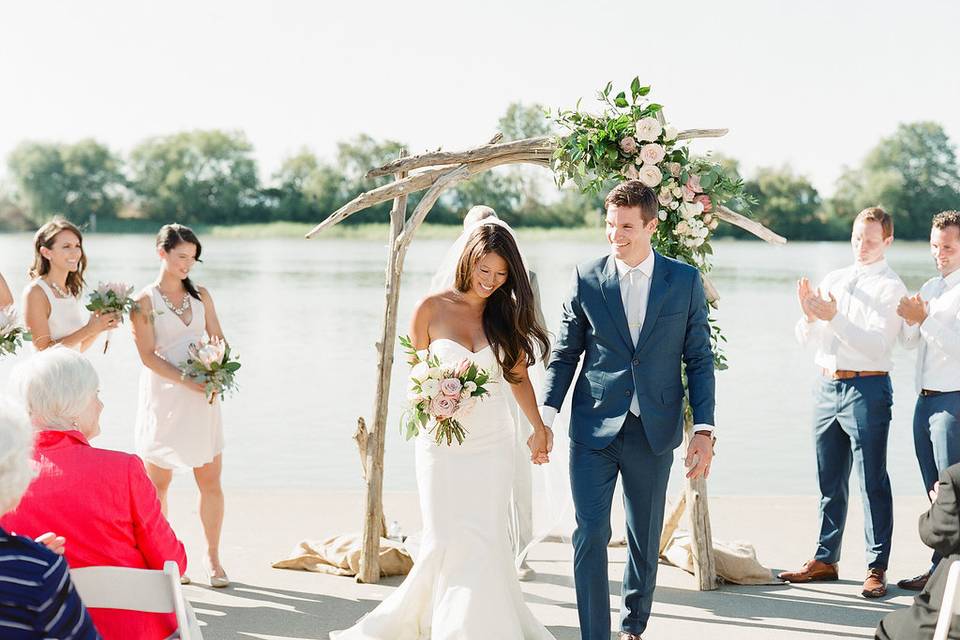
{"x": 636, "y": 317}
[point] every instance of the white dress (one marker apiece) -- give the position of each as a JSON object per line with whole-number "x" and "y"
{"x": 464, "y": 585}
{"x": 176, "y": 426}
{"x": 67, "y": 315}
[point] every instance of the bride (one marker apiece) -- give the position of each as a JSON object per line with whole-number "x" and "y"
{"x": 464, "y": 585}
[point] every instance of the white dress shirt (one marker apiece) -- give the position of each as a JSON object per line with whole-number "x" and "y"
{"x": 634, "y": 294}
{"x": 938, "y": 363}
{"x": 860, "y": 337}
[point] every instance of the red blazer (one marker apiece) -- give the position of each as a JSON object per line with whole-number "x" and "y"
{"x": 104, "y": 504}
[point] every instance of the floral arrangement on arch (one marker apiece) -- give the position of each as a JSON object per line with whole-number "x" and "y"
{"x": 630, "y": 140}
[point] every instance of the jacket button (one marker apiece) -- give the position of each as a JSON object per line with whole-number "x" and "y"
{"x": 628, "y": 393}
{"x": 636, "y": 362}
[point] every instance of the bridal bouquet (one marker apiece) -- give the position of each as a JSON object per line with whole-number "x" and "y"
{"x": 441, "y": 395}
{"x": 211, "y": 363}
{"x": 108, "y": 297}
{"x": 11, "y": 332}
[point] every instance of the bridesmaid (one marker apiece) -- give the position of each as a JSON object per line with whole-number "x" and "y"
{"x": 52, "y": 308}
{"x": 6, "y": 298}
{"x": 176, "y": 426}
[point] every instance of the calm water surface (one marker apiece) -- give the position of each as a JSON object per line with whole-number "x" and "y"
{"x": 304, "y": 317}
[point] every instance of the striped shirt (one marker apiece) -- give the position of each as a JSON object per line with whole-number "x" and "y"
{"x": 37, "y": 598}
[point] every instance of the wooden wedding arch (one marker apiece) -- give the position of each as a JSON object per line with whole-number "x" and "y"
{"x": 435, "y": 172}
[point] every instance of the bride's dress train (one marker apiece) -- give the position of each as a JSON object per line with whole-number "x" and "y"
{"x": 464, "y": 585}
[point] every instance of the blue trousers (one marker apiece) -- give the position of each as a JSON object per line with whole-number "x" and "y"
{"x": 936, "y": 437}
{"x": 593, "y": 478}
{"x": 851, "y": 420}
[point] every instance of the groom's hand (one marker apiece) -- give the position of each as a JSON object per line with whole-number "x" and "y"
{"x": 699, "y": 456}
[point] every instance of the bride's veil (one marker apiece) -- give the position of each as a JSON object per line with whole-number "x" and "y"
{"x": 552, "y": 504}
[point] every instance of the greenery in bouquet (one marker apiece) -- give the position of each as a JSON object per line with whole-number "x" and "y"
{"x": 12, "y": 332}
{"x": 211, "y": 363}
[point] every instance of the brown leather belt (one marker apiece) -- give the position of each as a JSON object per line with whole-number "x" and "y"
{"x": 931, "y": 392}
{"x": 843, "y": 374}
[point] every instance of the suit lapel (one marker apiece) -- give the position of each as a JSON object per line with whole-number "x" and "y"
{"x": 610, "y": 288}
{"x": 659, "y": 287}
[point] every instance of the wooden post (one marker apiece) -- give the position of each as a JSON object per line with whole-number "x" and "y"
{"x": 704, "y": 564}
{"x": 362, "y": 438}
{"x": 373, "y": 502}
{"x": 672, "y": 521}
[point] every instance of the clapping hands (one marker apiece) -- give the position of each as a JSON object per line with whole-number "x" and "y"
{"x": 912, "y": 309}
{"x": 814, "y": 306}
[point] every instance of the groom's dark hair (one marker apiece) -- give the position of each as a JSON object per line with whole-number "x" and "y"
{"x": 634, "y": 193}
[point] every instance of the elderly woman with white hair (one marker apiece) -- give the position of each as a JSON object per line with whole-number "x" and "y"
{"x": 37, "y": 599}
{"x": 101, "y": 501}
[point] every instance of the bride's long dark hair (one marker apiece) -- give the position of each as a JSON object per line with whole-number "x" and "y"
{"x": 509, "y": 320}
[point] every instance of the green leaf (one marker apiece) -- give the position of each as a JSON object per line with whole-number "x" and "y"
{"x": 635, "y": 88}
{"x": 621, "y": 100}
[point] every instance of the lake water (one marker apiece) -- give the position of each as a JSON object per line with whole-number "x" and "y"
{"x": 304, "y": 316}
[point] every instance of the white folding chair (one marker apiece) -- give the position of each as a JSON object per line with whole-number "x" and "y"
{"x": 950, "y": 605}
{"x": 137, "y": 590}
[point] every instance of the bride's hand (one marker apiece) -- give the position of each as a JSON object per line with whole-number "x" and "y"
{"x": 540, "y": 443}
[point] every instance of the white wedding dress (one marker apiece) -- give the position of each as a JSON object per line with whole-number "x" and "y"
{"x": 464, "y": 585}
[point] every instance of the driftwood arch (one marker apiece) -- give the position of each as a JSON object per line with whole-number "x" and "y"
{"x": 435, "y": 172}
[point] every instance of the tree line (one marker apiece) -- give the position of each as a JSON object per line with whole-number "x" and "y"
{"x": 211, "y": 177}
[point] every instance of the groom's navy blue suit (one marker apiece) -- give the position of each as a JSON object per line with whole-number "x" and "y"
{"x": 606, "y": 439}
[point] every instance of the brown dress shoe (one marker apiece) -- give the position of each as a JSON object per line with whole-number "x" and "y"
{"x": 915, "y": 584}
{"x": 812, "y": 571}
{"x": 875, "y": 586}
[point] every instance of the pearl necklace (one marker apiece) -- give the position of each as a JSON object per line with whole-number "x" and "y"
{"x": 184, "y": 306}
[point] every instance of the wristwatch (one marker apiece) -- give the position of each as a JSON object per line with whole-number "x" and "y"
{"x": 709, "y": 434}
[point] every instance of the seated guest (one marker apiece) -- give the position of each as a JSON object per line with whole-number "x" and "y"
{"x": 939, "y": 530}
{"x": 101, "y": 501}
{"x": 37, "y": 598}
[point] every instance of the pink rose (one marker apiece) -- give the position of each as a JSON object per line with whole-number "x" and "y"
{"x": 629, "y": 145}
{"x": 673, "y": 168}
{"x": 652, "y": 153}
{"x": 630, "y": 172}
{"x": 443, "y": 407}
{"x": 462, "y": 368}
{"x": 704, "y": 199}
{"x": 665, "y": 197}
{"x": 450, "y": 386}
{"x": 688, "y": 193}
{"x": 694, "y": 183}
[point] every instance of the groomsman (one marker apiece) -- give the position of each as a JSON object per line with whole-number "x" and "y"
{"x": 933, "y": 324}
{"x": 852, "y": 320}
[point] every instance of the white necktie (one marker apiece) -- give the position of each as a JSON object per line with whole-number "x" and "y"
{"x": 635, "y": 310}
{"x": 843, "y": 306}
{"x": 939, "y": 285}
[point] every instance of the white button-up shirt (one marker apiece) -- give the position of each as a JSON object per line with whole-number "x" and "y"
{"x": 938, "y": 363}
{"x": 860, "y": 337}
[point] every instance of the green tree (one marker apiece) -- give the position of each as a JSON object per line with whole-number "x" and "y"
{"x": 786, "y": 203}
{"x": 913, "y": 174}
{"x": 73, "y": 180}
{"x": 197, "y": 177}
{"x": 525, "y": 121}
{"x": 306, "y": 190}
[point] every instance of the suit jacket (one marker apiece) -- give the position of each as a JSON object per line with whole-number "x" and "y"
{"x": 105, "y": 505}
{"x": 939, "y": 530}
{"x": 675, "y": 331}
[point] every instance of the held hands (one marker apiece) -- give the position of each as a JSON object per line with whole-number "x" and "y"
{"x": 699, "y": 456}
{"x": 912, "y": 309}
{"x": 52, "y": 541}
{"x": 541, "y": 444}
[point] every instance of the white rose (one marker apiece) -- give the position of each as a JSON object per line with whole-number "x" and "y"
{"x": 434, "y": 373}
{"x": 648, "y": 129}
{"x": 419, "y": 370}
{"x": 469, "y": 386}
{"x": 676, "y": 191}
{"x": 650, "y": 175}
{"x": 669, "y": 133}
{"x": 697, "y": 242}
{"x": 662, "y": 215}
{"x": 674, "y": 205}
{"x": 430, "y": 387}
{"x": 652, "y": 153}
{"x": 682, "y": 228}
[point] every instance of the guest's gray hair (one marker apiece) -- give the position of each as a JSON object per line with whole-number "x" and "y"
{"x": 56, "y": 386}
{"x": 16, "y": 469}
{"x": 478, "y": 213}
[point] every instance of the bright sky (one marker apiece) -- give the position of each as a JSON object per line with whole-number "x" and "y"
{"x": 814, "y": 84}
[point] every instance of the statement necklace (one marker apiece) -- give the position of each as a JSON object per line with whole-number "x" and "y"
{"x": 57, "y": 290}
{"x": 184, "y": 306}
